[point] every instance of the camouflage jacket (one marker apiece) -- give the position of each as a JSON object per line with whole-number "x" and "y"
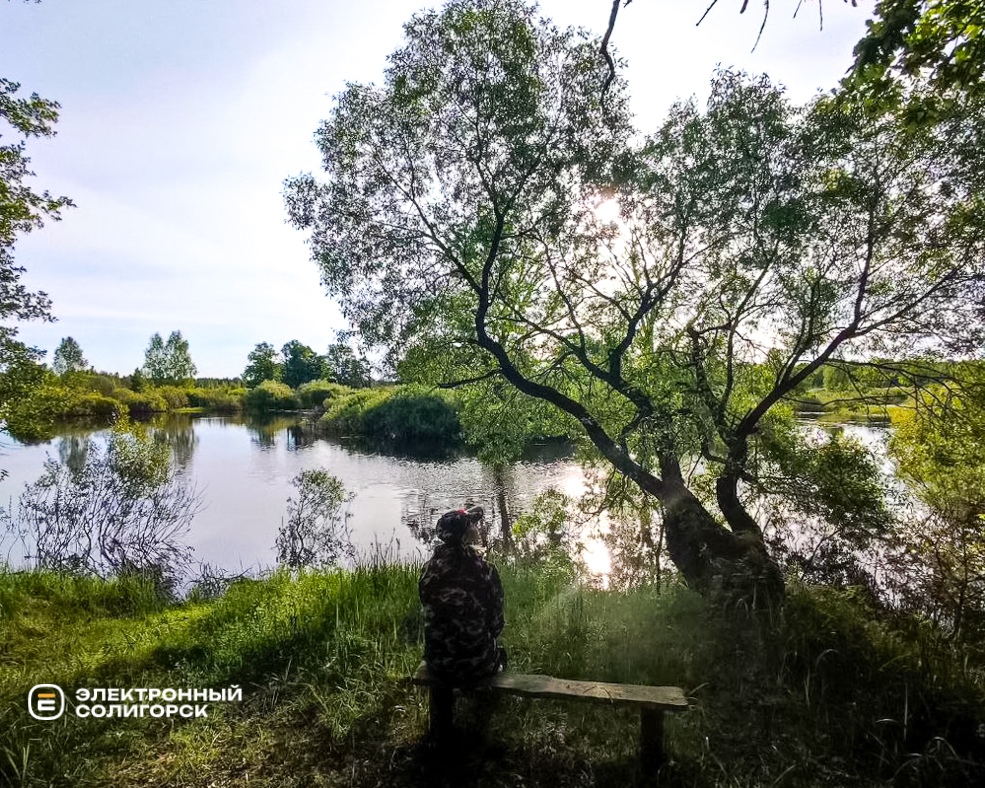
{"x": 463, "y": 614}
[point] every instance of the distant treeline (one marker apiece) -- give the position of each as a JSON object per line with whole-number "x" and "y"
{"x": 395, "y": 414}
{"x": 98, "y": 398}
{"x": 409, "y": 413}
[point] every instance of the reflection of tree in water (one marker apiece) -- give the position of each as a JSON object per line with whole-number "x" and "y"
{"x": 503, "y": 480}
{"x": 302, "y": 435}
{"x": 264, "y": 428}
{"x": 72, "y": 452}
{"x": 176, "y": 431}
{"x": 419, "y": 516}
{"x": 114, "y": 510}
{"x": 179, "y": 433}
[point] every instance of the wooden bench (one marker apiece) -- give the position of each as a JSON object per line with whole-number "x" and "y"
{"x": 651, "y": 701}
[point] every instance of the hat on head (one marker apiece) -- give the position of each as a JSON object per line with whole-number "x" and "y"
{"x": 452, "y": 526}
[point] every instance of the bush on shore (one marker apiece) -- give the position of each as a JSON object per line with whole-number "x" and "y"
{"x": 270, "y": 395}
{"x": 314, "y": 393}
{"x": 143, "y": 404}
{"x": 98, "y": 399}
{"x": 217, "y": 399}
{"x": 397, "y": 414}
{"x": 36, "y": 417}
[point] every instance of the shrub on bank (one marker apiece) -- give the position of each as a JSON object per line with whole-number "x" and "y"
{"x": 270, "y": 395}
{"x": 314, "y": 393}
{"x": 36, "y": 417}
{"x": 89, "y": 397}
{"x": 808, "y": 403}
{"x": 218, "y": 399}
{"x": 400, "y": 414}
{"x": 91, "y": 406}
{"x": 344, "y": 414}
{"x": 103, "y": 384}
{"x": 414, "y": 414}
{"x": 143, "y": 404}
{"x": 174, "y": 396}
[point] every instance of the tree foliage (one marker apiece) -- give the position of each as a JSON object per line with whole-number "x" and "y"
{"x": 270, "y": 395}
{"x": 939, "y": 449}
{"x": 343, "y": 365}
{"x": 68, "y": 358}
{"x": 168, "y": 363}
{"x": 300, "y": 364}
{"x": 757, "y": 242}
{"x": 936, "y": 42}
{"x": 261, "y": 364}
{"x": 22, "y": 209}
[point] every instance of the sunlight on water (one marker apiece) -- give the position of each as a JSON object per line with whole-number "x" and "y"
{"x": 244, "y": 469}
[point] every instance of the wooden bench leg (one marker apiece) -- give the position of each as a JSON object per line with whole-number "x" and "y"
{"x": 651, "y": 739}
{"x": 442, "y": 700}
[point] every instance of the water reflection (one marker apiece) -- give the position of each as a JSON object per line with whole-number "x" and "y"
{"x": 72, "y": 452}
{"x": 264, "y": 428}
{"x": 636, "y": 550}
{"x": 301, "y": 435}
{"x": 495, "y": 490}
{"x": 244, "y": 466}
{"x": 178, "y": 431}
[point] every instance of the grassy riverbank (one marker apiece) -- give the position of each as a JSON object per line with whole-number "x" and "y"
{"x": 830, "y": 692}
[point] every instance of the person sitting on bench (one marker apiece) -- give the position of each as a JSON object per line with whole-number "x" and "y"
{"x": 462, "y": 598}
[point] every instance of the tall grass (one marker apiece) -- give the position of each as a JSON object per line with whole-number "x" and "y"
{"x": 829, "y": 691}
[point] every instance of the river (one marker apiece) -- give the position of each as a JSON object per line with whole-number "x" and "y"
{"x": 243, "y": 469}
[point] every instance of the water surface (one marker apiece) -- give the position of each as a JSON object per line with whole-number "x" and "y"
{"x": 243, "y": 469}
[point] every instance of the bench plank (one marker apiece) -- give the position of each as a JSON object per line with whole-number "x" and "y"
{"x": 666, "y": 698}
{"x": 538, "y": 686}
{"x": 651, "y": 701}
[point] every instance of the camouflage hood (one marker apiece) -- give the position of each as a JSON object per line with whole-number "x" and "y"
{"x": 452, "y": 526}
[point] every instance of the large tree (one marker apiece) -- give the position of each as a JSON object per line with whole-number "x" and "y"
{"x": 342, "y": 364}
{"x": 22, "y": 209}
{"x": 169, "y": 363}
{"x": 262, "y": 364}
{"x": 300, "y": 364}
{"x": 757, "y": 242}
{"x": 68, "y": 357}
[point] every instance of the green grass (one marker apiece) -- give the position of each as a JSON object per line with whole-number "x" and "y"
{"x": 830, "y": 691}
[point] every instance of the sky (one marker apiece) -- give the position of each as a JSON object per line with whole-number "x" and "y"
{"x": 180, "y": 121}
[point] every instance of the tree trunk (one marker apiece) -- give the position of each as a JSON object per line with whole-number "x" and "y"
{"x": 727, "y": 565}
